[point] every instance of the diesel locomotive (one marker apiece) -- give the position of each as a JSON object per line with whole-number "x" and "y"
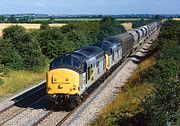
{"x": 72, "y": 76}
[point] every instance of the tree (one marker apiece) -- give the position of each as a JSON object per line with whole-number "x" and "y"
{"x": 44, "y": 25}
{"x": 9, "y": 55}
{"x": 2, "y": 18}
{"x": 50, "y": 40}
{"x": 109, "y": 27}
{"x": 25, "y": 51}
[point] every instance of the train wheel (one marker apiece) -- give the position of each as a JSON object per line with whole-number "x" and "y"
{"x": 55, "y": 104}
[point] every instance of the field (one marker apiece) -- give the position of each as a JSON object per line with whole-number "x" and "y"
{"x": 127, "y": 26}
{"x": 27, "y": 26}
{"x": 88, "y": 19}
{"x": 177, "y": 19}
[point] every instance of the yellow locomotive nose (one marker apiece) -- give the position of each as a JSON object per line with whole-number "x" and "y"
{"x": 62, "y": 81}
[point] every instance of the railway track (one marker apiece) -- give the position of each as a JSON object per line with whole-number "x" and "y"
{"x": 25, "y": 101}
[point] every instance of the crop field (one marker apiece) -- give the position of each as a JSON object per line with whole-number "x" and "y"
{"x": 127, "y": 26}
{"x": 27, "y": 26}
{"x": 131, "y": 19}
{"x": 177, "y": 19}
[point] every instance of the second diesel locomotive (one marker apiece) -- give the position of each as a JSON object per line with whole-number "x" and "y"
{"x": 72, "y": 75}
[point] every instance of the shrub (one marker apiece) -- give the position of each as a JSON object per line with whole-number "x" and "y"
{"x": 23, "y": 51}
{"x": 9, "y": 55}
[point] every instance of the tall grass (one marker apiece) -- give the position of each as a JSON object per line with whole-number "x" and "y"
{"x": 127, "y": 103}
{"x": 135, "y": 79}
{"x": 19, "y": 80}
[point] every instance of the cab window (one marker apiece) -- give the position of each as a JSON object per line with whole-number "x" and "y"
{"x": 76, "y": 64}
{"x": 66, "y": 61}
{"x": 55, "y": 64}
{"x": 106, "y": 48}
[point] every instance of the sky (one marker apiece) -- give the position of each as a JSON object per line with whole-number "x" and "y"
{"x": 114, "y": 7}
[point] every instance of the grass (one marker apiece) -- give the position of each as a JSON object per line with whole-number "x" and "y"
{"x": 19, "y": 80}
{"x": 135, "y": 78}
{"x": 127, "y": 103}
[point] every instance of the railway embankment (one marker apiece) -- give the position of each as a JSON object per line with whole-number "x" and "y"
{"x": 151, "y": 96}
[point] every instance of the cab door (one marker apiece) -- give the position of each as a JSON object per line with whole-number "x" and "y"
{"x": 90, "y": 74}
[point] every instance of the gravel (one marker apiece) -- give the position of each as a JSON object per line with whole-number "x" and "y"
{"x": 31, "y": 114}
{"x": 53, "y": 119}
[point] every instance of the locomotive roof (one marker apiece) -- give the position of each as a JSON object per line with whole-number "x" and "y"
{"x": 112, "y": 42}
{"x": 89, "y": 51}
{"x": 79, "y": 56}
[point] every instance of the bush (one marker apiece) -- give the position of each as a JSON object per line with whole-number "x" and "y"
{"x": 162, "y": 70}
{"x": 109, "y": 27}
{"x": 9, "y": 55}
{"x": 20, "y": 50}
{"x": 161, "y": 107}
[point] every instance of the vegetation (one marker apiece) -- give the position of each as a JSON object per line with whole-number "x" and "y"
{"x": 28, "y": 26}
{"x": 56, "y": 41}
{"x": 161, "y": 108}
{"x": 3, "y": 73}
{"x": 30, "y": 19}
{"x": 141, "y": 22}
{"x": 16, "y": 81}
{"x": 20, "y": 50}
{"x": 151, "y": 96}
{"x": 29, "y": 50}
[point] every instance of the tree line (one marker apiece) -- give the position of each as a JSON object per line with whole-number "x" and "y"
{"x": 31, "y": 50}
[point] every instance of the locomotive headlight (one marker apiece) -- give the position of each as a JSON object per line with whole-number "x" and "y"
{"x": 60, "y": 87}
{"x": 55, "y": 79}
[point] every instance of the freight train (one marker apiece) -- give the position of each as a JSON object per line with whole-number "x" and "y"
{"x": 72, "y": 76}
